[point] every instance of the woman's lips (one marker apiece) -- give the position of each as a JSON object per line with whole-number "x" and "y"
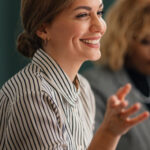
{"x": 92, "y": 42}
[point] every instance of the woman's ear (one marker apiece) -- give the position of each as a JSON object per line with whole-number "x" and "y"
{"x": 41, "y": 32}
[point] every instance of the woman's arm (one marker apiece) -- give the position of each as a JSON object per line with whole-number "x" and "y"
{"x": 116, "y": 121}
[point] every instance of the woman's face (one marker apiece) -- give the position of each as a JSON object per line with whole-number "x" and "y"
{"x": 76, "y": 32}
{"x": 140, "y": 55}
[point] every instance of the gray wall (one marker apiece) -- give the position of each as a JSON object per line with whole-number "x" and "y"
{"x": 10, "y": 60}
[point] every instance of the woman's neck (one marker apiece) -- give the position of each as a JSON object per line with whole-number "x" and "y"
{"x": 69, "y": 65}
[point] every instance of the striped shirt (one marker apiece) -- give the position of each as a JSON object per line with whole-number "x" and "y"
{"x": 41, "y": 109}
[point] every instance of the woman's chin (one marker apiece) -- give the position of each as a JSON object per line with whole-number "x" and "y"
{"x": 95, "y": 57}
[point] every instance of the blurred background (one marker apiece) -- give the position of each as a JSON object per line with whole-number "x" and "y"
{"x": 10, "y": 60}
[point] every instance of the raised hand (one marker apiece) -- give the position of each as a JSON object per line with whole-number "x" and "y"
{"x": 117, "y": 120}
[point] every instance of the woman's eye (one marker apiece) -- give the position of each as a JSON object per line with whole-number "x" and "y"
{"x": 145, "y": 42}
{"x": 100, "y": 13}
{"x": 82, "y": 15}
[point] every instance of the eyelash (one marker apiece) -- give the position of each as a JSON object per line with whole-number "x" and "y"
{"x": 145, "y": 42}
{"x": 99, "y": 13}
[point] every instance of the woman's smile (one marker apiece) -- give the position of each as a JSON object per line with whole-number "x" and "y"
{"x": 93, "y": 42}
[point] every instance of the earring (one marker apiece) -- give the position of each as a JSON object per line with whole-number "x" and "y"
{"x": 45, "y": 41}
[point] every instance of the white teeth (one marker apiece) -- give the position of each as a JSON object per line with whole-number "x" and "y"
{"x": 91, "y": 41}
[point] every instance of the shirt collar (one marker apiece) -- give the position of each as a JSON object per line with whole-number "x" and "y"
{"x": 57, "y": 77}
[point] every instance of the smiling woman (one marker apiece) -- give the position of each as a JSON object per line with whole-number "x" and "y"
{"x": 48, "y": 105}
{"x": 74, "y": 35}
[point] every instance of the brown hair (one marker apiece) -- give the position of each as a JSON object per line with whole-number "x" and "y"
{"x": 33, "y": 14}
{"x": 125, "y": 19}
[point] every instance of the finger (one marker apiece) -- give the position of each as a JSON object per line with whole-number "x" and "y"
{"x": 126, "y": 113}
{"x": 117, "y": 104}
{"x": 113, "y": 101}
{"x": 121, "y": 107}
{"x": 123, "y": 91}
{"x": 138, "y": 119}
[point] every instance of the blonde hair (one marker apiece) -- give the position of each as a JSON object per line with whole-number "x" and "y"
{"x": 125, "y": 19}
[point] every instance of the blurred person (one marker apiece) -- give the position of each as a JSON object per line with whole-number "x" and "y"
{"x": 125, "y": 49}
{"x": 48, "y": 105}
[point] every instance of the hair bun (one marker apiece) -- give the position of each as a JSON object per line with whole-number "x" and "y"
{"x": 27, "y": 44}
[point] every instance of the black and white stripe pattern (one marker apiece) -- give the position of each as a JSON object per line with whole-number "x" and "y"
{"x": 40, "y": 108}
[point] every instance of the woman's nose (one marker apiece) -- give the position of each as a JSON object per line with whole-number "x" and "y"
{"x": 98, "y": 25}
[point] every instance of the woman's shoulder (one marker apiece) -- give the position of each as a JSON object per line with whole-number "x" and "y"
{"x": 26, "y": 80}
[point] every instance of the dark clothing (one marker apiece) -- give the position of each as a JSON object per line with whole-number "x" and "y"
{"x": 105, "y": 83}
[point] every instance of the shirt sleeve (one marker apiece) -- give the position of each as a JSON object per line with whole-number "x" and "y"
{"x": 34, "y": 122}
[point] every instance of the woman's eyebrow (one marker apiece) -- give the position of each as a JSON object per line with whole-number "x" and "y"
{"x": 87, "y": 7}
